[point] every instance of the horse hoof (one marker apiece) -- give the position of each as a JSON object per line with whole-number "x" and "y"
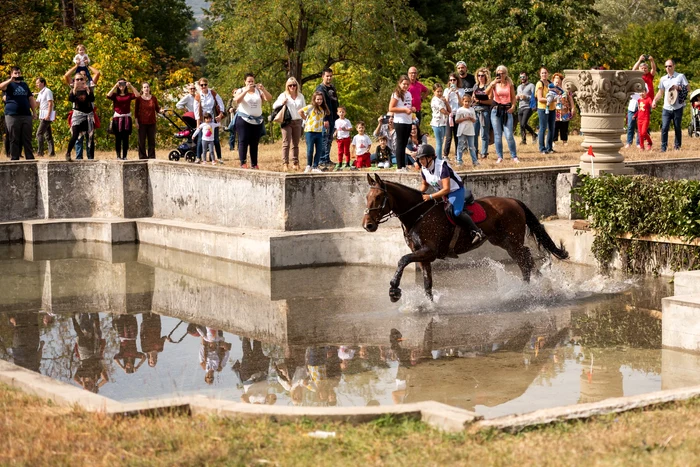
{"x": 394, "y": 294}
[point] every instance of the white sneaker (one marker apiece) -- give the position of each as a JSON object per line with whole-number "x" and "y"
{"x": 402, "y": 169}
{"x": 317, "y": 170}
{"x": 516, "y": 160}
{"x": 499, "y": 160}
{"x": 307, "y": 169}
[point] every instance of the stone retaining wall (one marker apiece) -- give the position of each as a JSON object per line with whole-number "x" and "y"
{"x": 244, "y": 198}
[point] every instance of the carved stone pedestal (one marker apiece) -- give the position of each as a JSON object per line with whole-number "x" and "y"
{"x": 603, "y": 96}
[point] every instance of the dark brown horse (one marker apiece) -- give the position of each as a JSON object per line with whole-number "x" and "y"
{"x": 429, "y": 233}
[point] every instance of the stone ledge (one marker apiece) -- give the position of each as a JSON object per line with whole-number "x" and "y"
{"x": 438, "y": 415}
{"x": 108, "y": 230}
{"x": 515, "y": 423}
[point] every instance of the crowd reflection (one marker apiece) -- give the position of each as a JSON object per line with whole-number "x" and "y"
{"x": 77, "y": 348}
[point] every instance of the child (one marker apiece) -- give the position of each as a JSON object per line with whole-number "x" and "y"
{"x": 361, "y": 147}
{"x": 643, "y": 116}
{"x": 441, "y": 110}
{"x": 383, "y": 154}
{"x": 342, "y": 134}
{"x": 466, "y": 117}
{"x": 314, "y": 114}
{"x": 82, "y": 60}
{"x": 207, "y": 131}
{"x": 554, "y": 93}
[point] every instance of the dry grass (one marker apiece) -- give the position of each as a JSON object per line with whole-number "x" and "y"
{"x": 35, "y": 433}
{"x": 270, "y": 157}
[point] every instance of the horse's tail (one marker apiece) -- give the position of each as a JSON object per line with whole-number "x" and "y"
{"x": 538, "y": 231}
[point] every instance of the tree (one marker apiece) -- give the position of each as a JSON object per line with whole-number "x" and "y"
{"x": 525, "y": 34}
{"x": 301, "y": 37}
{"x": 112, "y": 49}
{"x": 165, "y": 26}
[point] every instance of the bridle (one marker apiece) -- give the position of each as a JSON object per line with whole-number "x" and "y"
{"x": 391, "y": 214}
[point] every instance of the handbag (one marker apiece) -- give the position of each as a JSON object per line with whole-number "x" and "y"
{"x": 279, "y": 118}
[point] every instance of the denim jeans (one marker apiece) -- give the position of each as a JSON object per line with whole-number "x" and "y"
{"x": 631, "y": 128}
{"x": 466, "y": 142}
{"x": 439, "y": 137}
{"x": 666, "y": 117}
{"x": 327, "y": 140}
{"x": 547, "y": 122}
{"x": 503, "y": 125}
{"x": 482, "y": 132}
{"x": 314, "y": 140}
{"x": 79, "y": 147}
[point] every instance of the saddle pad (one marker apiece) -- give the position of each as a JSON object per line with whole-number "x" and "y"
{"x": 476, "y": 212}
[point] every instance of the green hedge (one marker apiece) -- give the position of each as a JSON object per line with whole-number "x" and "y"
{"x": 642, "y": 205}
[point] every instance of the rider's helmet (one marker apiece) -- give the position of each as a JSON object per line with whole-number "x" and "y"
{"x": 427, "y": 151}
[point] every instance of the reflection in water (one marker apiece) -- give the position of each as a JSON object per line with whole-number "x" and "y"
{"x": 264, "y": 337}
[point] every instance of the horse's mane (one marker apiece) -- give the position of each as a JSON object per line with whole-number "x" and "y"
{"x": 404, "y": 188}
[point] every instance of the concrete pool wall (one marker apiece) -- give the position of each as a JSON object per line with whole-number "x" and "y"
{"x": 268, "y": 219}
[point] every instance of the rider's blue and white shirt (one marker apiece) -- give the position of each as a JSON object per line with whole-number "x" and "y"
{"x": 441, "y": 170}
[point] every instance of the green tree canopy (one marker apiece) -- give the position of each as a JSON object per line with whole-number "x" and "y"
{"x": 525, "y": 34}
{"x": 276, "y": 39}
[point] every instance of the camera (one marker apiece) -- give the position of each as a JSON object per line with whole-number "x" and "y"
{"x": 499, "y": 76}
{"x": 646, "y": 57}
{"x": 385, "y": 119}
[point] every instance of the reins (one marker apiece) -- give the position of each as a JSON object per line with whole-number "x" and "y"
{"x": 391, "y": 214}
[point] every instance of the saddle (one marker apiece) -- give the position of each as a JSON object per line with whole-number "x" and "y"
{"x": 475, "y": 211}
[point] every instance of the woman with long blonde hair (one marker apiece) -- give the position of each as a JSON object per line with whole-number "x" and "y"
{"x": 401, "y": 105}
{"x": 502, "y": 93}
{"x": 291, "y": 132}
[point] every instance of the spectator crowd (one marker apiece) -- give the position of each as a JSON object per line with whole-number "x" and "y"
{"x": 468, "y": 112}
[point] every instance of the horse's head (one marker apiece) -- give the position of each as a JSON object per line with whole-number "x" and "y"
{"x": 378, "y": 205}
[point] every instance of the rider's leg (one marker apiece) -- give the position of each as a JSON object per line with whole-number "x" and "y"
{"x": 463, "y": 219}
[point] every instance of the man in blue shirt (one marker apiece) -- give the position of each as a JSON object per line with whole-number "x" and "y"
{"x": 20, "y": 108}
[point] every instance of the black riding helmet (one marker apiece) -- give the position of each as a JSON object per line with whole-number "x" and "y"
{"x": 425, "y": 150}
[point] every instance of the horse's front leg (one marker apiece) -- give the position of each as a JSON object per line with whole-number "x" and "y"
{"x": 427, "y": 268}
{"x": 425, "y": 254}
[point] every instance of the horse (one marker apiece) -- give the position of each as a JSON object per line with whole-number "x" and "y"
{"x": 431, "y": 235}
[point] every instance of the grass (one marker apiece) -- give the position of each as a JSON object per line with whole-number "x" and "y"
{"x": 270, "y": 156}
{"x": 37, "y": 433}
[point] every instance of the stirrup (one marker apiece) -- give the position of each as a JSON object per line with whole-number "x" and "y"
{"x": 478, "y": 236}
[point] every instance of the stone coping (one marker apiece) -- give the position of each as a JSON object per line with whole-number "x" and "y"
{"x": 440, "y": 416}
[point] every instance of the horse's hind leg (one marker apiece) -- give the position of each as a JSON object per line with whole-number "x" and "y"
{"x": 425, "y": 254}
{"x": 523, "y": 258}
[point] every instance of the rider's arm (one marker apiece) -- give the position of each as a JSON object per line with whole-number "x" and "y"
{"x": 423, "y": 186}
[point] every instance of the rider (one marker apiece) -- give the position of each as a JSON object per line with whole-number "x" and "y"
{"x": 438, "y": 174}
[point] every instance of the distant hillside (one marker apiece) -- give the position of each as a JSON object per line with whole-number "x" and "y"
{"x": 197, "y": 6}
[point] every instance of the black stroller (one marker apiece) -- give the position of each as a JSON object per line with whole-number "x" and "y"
{"x": 694, "y": 125}
{"x": 187, "y": 149}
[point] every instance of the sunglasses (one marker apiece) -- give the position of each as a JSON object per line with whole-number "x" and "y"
{"x": 291, "y": 85}
{"x": 452, "y": 79}
{"x": 79, "y": 79}
{"x": 669, "y": 66}
{"x": 204, "y": 85}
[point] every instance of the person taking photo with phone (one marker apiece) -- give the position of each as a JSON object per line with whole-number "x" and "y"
{"x": 20, "y": 108}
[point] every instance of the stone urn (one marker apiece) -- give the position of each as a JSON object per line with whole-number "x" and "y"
{"x": 603, "y": 97}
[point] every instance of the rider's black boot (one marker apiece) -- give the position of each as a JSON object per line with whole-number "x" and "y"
{"x": 466, "y": 222}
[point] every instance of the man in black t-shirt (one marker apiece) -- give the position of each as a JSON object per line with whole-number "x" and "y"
{"x": 466, "y": 80}
{"x": 330, "y": 96}
{"x": 20, "y": 108}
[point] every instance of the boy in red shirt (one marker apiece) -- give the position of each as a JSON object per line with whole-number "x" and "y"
{"x": 643, "y": 116}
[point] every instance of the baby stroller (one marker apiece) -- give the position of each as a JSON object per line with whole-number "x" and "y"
{"x": 187, "y": 149}
{"x": 694, "y": 125}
